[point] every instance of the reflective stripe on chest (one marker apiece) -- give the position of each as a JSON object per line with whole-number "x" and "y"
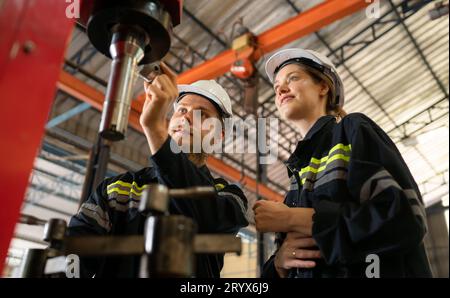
{"x": 328, "y": 168}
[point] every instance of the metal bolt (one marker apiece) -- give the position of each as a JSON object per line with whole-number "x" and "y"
{"x": 29, "y": 47}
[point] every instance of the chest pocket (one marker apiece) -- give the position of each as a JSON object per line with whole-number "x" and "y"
{"x": 331, "y": 167}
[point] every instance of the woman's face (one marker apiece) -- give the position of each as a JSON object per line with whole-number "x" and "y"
{"x": 297, "y": 95}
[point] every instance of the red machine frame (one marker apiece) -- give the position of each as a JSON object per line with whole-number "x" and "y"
{"x": 34, "y": 36}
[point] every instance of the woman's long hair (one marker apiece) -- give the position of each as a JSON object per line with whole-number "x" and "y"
{"x": 332, "y": 107}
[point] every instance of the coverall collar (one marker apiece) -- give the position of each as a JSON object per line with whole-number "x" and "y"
{"x": 316, "y": 128}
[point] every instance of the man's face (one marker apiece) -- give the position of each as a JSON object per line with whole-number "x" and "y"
{"x": 207, "y": 120}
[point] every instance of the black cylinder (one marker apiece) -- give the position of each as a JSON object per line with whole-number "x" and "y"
{"x": 172, "y": 252}
{"x": 54, "y": 233}
{"x": 146, "y": 14}
{"x": 33, "y": 263}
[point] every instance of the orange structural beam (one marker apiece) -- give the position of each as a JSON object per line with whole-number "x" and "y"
{"x": 205, "y": 71}
{"x": 294, "y": 28}
{"x": 82, "y": 91}
{"x": 308, "y": 22}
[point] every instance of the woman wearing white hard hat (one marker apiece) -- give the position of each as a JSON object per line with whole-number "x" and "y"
{"x": 353, "y": 208}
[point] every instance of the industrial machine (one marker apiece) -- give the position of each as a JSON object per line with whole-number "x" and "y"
{"x": 167, "y": 248}
{"x": 135, "y": 34}
{"x": 131, "y": 33}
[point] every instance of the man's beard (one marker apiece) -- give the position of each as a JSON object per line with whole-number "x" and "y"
{"x": 199, "y": 159}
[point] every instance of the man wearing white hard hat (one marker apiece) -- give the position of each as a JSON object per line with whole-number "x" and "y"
{"x": 112, "y": 209}
{"x": 353, "y": 208}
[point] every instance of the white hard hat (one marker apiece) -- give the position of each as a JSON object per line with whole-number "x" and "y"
{"x": 212, "y": 91}
{"x": 309, "y": 58}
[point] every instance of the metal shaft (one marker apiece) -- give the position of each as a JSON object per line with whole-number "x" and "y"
{"x": 127, "y": 50}
{"x": 96, "y": 168}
